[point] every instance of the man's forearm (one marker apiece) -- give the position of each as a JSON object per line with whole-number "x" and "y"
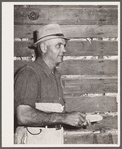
{"x": 33, "y": 117}
{"x": 28, "y": 116}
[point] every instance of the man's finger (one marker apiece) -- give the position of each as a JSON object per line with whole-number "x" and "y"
{"x": 89, "y": 123}
{"x": 82, "y": 114}
{"x": 82, "y": 119}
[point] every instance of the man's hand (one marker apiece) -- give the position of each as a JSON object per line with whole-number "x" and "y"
{"x": 28, "y": 116}
{"x": 76, "y": 119}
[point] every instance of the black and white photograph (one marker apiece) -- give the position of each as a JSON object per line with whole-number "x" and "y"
{"x": 61, "y": 66}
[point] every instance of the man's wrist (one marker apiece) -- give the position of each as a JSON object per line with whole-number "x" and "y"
{"x": 59, "y": 118}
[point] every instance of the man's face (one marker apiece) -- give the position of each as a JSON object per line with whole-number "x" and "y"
{"x": 55, "y": 50}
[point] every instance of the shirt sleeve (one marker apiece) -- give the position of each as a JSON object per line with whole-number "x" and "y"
{"x": 25, "y": 88}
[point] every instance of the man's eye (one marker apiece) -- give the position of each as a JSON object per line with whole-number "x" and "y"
{"x": 58, "y": 45}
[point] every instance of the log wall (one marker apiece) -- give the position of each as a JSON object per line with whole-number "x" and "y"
{"x": 90, "y": 67}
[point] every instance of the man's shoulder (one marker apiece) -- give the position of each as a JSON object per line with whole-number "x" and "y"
{"x": 25, "y": 71}
{"x": 31, "y": 66}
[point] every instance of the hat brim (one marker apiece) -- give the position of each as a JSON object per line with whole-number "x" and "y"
{"x": 50, "y": 37}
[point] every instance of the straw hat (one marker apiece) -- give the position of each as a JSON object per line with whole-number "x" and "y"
{"x": 49, "y": 31}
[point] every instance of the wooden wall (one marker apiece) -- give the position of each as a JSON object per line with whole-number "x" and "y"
{"x": 90, "y": 67}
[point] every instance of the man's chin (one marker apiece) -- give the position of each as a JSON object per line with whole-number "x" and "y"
{"x": 59, "y": 62}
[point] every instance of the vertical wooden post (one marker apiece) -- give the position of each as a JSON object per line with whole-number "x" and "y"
{"x": 95, "y": 141}
{"x": 110, "y": 141}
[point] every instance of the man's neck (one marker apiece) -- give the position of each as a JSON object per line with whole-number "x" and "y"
{"x": 49, "y": 64}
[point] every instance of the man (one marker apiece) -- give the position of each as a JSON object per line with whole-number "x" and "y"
{"x": 39, "y": 82}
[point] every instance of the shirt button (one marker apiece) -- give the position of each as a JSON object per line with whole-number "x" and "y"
{"x": 59, "y": 98}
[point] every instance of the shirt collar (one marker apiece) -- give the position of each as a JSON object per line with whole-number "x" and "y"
{"x": 45, "y": 67}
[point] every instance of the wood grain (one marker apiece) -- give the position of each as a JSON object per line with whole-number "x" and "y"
{"x": 21, "y": 49}
{"x": 101, "y": 138}
{"x": 88, "y": 67}
{"x": 108, "y": 122}
{"x": 67, "y": 15}
{"x": 73, "y": 48}
{"x": 91, "y": 104}
{"x": 89, "y": 86}
{"x": 84, "y": 48}
{"x": 82, "y": 67}
{"x": 71, "y": 31}
{"x": 66, "y": 6}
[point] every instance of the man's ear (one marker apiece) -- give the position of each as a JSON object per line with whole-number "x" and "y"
{"x": 43, "y": 47}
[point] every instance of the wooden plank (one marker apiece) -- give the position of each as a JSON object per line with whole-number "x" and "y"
{"x": 91, "y": 104}
{"x": 21, "y": 49}
{"x": 108, "y": 122}
{"x": 102, "y": 129}
{"x": 73, "y": 48}
{"x": 71, "y": 31}
{"x": 82, "y": 67}
{"x": 64, "y": 15}
{"x": 90, "y": 86}
{"x": 91, "y": 138}
{"x": 84, "y": 48}
{"x": 66, "y": 6}
{"x": 88, "y": 67}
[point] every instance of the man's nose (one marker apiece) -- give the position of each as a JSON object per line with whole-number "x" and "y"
{"x": 63, "y": 49}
